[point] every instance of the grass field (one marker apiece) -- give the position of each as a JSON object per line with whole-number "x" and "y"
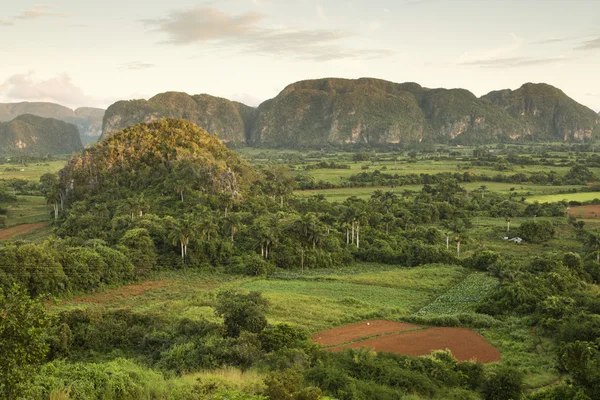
{"x": 31, "y": 171}
{"x": 27, "y": 210}
{"x": 585, "y": 196}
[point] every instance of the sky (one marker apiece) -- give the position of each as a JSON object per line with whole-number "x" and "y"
{"x": 93, "y": 53}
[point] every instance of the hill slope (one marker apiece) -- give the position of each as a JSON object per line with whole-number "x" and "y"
{"x": 88, "y": 120}
{"x": 30, "y": 134}
{"x": 229, "y": 120}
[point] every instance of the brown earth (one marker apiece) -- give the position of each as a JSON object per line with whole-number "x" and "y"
{"x": 11, "y": 232}
{"x": 350, "y": 333}
{"x": 465, "y": 344}
{"x": 589, "y": 211}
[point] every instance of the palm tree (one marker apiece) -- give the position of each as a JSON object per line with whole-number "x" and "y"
{"x": 53, "y": 198}
{"x": 232, "y": 224}
{"x": 181, "y": 232}
{"x": 482, "y": 188}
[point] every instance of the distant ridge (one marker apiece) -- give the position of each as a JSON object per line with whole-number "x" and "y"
{"x": 30, "y": 134}
{"x": 87, "y": 119}
{"x": 333, "y": 111}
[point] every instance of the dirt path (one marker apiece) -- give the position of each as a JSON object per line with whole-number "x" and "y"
{"x": 11, "y": 232}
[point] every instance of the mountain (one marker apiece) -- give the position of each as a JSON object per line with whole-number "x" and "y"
{"x": 230, "y": 121}
{"x": 30, "y": 134}
{"x": 547, "y": 112}
{"x": 88, "y": 120}
{"x": 332, "y": 111}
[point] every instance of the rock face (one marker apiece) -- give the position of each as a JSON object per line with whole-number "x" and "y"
{"x": 322, "y": 112}
{"x": 30, "y": 134}
{"x": 547, "y": 112}
{"x": 88, "y": 120}
{"x": 230, "y": 121}
{"x": 336, "y": 111}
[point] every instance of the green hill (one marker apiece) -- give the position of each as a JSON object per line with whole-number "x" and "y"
{"x": 229, "y": 120}
{"x": 88, "y": 120}
{"x": 172, "y": 154}
{"x": 30, "y": 134}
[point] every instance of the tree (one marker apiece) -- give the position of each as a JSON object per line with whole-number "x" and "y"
{"x": 181, "y": 231}
{"x": 593, "y": 242}
{"x": 242, "y": 312}
{"x": 233, "y": 223}
{"x": 53, "y": 198}
{"x": 23, "y": 346}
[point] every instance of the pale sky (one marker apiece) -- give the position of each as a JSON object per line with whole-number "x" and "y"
{"x": 93, "y": 53}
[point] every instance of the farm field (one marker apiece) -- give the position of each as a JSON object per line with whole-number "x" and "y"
{"x": 31, "y": 171}
{"x": 27, "y": 210}
{"x": 319, "y": 301}
{"x": 554, "y": 198}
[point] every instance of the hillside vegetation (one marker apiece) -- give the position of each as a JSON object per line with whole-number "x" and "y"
{"x": 29, "y": 134}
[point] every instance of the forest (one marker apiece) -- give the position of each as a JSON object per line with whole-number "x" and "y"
{"x": 173, "y": 267}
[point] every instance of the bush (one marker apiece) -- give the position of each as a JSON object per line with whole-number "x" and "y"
{"x": 537, "y": 231}
{"x": 242, "y": 312}
{"x": 503, "y": 383}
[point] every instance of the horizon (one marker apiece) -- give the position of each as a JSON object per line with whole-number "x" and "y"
{"x": 249, "y": 50}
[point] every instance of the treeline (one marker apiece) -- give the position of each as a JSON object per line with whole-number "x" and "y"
{"x": 578, "y": 175}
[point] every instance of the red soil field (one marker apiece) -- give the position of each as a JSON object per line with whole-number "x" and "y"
{"x": 589, "y": 211}
{"x": 350, "y": 333}
{"x": 8, "y": 233}
{"x": 465, "y": 344}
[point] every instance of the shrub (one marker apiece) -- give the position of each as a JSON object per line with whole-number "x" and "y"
{"x": 503, "y": 383}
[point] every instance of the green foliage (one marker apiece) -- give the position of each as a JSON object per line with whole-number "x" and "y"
{"x": 23, "y": 328}
{"x": 537, "y": 231}
{"x": 503, "y": 383}
{"x": 242, "y": 312}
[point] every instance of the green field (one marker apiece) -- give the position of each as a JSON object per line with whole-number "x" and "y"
{"x": 31, "y": 171}
{"x": 27, "y": 210}
{"x": 554, "y": 198}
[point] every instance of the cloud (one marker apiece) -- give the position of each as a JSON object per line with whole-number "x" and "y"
{"x": 60, "y": 89}
{"x": 593, "y": 44}
{"x": 136, "y": 66}
{"x": 512, "y": 62}
{"x": 204, "y": 24}
{"x": 244, "y": 33}
{"x": 37, "y": 11}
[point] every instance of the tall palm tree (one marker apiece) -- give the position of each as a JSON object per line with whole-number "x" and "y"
{"x": 182, "y": 231}
{"x": 233, "y": 222}
{"x": 53, "y": 198}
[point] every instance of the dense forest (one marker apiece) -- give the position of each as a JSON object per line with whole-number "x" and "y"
{"x": 168, "y": 196}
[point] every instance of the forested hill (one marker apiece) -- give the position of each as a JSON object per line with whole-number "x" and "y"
{"x": 230, "y": 121}
{"x": 88, "y": 120}
{"x": 30, "y": 134}
{"x": 317, "y": 113}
